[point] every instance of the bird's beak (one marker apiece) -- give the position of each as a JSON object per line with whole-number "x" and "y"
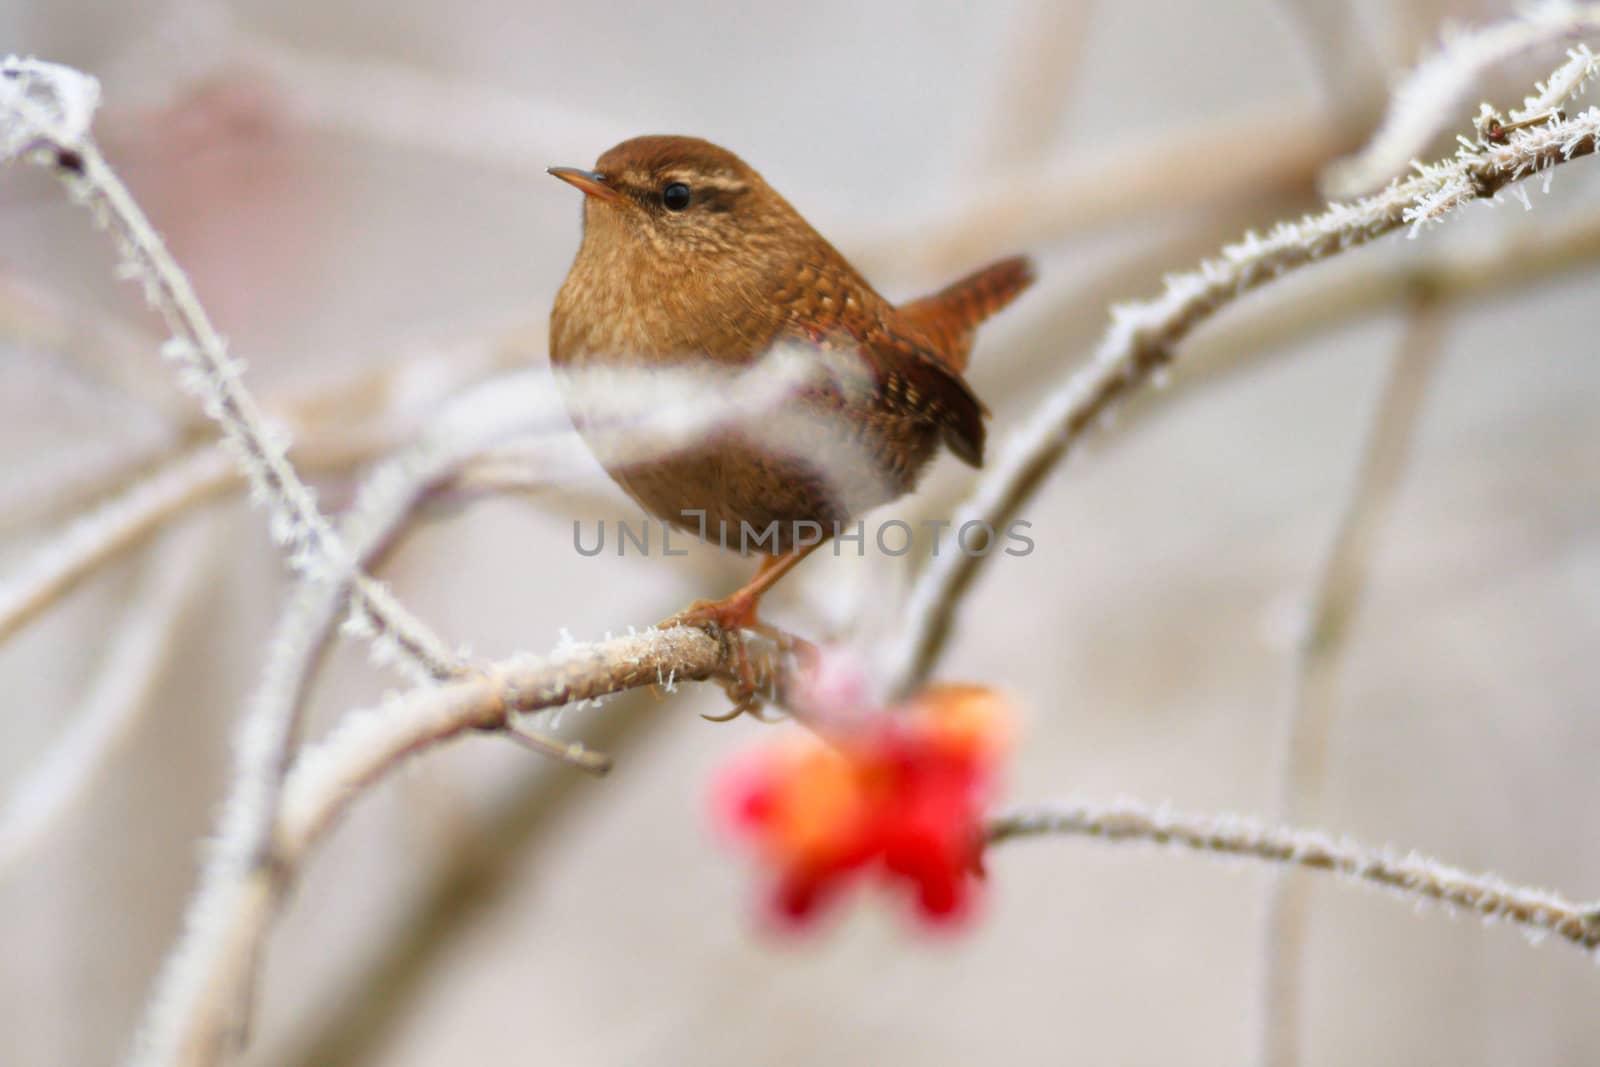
{"x": 591, "y": 183}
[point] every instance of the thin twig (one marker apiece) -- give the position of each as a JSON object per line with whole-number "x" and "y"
{"x": 338, "y": 423}
{"x": 1487, "y": 271}
{"x": 203, "y": 994}
{"x": 246, "y": 849}
{"x": 1425, "y": 103}
{"x": 250, "y": 846}
{"x": 44, "y": 118}
{"x": 1144, "y": 339}
{"x": 384, "y": 505}
{"x": 1318, "y": 657}
{"x": 127, "y": 520}
{"x": 194, "y": 1019}
{"x": 1493, "y": 270}
{"x": 1412, "y": 876}
{"x": 361, "y": 1020}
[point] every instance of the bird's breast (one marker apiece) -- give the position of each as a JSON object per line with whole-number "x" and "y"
{"x": 811, "y": 460}
{"x": 619, "y": 310}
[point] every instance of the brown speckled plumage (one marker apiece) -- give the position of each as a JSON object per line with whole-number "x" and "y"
{"x": 727, "y": 276}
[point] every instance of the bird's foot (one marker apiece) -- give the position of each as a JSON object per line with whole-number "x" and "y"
{"x": 728, "y": 618}
{"x": 728, "y": 615}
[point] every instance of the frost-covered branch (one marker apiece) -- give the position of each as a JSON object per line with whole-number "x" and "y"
{"x": 1411, "y": 876}
{"x": 120, "y": 524}
{"x": 204, "y": 991}
{"x": 251, "y": 842}
{"x": 369, "y": 744}
{"x": 46, "y": 109}
{"x": 248, "y": 856}
{"x": 45, "y": 112}
{"x": 1496, "y": 268}
{"x": 339, "y": 422}
{"x": 1427, "y": 101}
{"x": 1143, "y": 339}
{"x": 657, "y": 406}
{"x": 384, "y": 503}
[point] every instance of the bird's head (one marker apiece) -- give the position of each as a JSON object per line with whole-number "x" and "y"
{"x": 678, "y": 197}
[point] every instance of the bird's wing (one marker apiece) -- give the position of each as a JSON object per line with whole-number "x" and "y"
{"x": 907, "y": 377}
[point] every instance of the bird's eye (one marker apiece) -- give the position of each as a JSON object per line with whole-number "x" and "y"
{"x": 675, "y": 197}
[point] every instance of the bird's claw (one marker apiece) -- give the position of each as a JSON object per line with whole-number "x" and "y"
{"x": 743, "y": 685}
{"x": 728, "y": 618}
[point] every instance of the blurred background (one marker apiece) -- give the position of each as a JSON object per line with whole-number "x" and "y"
{"x": 356, "y": 188}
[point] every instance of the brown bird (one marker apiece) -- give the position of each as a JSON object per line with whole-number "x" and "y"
{"x": 690, "y": 258}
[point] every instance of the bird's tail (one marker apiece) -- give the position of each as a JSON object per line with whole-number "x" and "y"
{"x": 956, "y": 310}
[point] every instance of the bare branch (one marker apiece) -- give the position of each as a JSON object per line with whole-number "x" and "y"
{"x": 339, "y": 422}
{"x": 1426, "y": 102}
{"x": 127, "y": 520}
{"x": 204, "y": 988}
{"x": 55, "y": 132}
{"x": 1413, "y": 877}
{"x": 46, "y": 110}
{"x": 250, "y": 845}
{"x": 477, "y": 873}
{"x": 384, "y": 504}
{"x": 1143, "y": 339}
{"x": 1490, "y": 270}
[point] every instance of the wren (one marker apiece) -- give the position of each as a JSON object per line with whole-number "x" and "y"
{"x": 689, "y": 258}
